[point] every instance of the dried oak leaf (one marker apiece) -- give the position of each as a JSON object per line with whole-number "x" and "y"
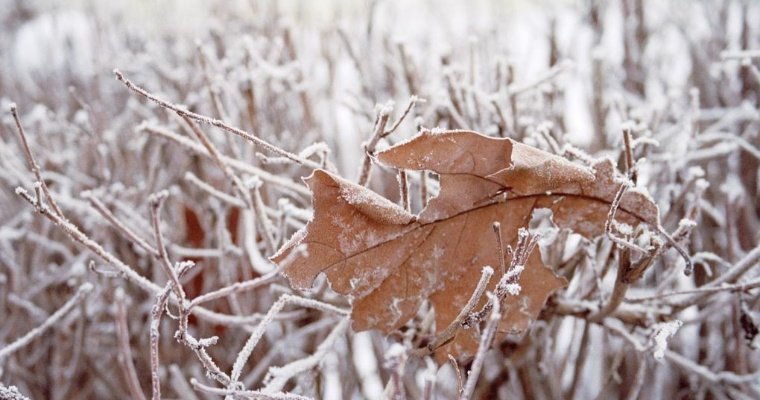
{"x": 389, "y": 261}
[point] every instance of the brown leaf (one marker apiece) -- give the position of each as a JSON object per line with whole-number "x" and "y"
{"x": 390, "y": 261}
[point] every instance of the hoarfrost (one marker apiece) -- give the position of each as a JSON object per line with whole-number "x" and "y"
{"x": 662, "y": 332}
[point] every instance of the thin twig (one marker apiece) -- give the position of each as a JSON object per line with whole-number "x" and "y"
{"x": 124, "y": 229}
{"x": 245, "y": 352}
{"x": 403, "y": 184}
{"x": 630, "y": 165}
{"x": 277, "y": 377}
{"x": 383, "y": 115}
{"x": 447, "y": 334}
{"x": 155, "y": 323}
{"x": 740, "y": 268}
{"x": 156, "y": 201}
{"x": 125, "y": 350}
{"x": 247, "y": 394}
{"x": 217, "y": 158}
{"x": 412, "y": 102}
{"x": 32, "y": 162}
{"x": 33, "y": 334}
{"x": 215, "y": 122}
{"x": 278, "y": 181}
{"x": 485, "y": 343}
{"x": 508, "y": 284}
{"x": 236, "y": 288}
{"x": 74, "y": 233}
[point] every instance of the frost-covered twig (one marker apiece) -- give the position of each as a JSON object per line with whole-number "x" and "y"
{"x": 737, "y": 287}
{"x": 750, "y": 260}
{"x": 278, "y": 181}
{"x": 242, "y": 191}
{"x": 508, "y": 283}
{"x": 277, "y": 377}
{"x": 32, "y": 162}
{"x": 155, "y": 323}
{"x": 485, "y": 343}
{"x": 215, "y": 122}
{"x": 124, "y": 229}
{"x": 33, "y": 334}
{"x": 383, "y": 115}
{"x": 447, "y": 334}
{"x": 286, "y": 299}
{"x": 156, "y": 202}
{"x": 236, "y": 287}
{"x": 74, "y": 233}
{"x": 246, "y": 394}
{"x": 125, "y": 350}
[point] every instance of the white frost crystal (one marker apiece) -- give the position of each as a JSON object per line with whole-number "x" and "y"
{"x": 662, "y": 332}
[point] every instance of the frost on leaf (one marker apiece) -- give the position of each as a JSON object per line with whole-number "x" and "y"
{"x": 389, "y": 261}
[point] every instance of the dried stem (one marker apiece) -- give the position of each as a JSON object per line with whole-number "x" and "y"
{"x": 630, "y": 164}
{"x": 508, "y": 284}
{"x": 217, "y": 158}
{"x": 74, "y": 233}
{"x": 403, "y": 184}
{"x": 155, "y": 323}
{"x": 156, "y": 201}
{"x": 125, "y": 350}
{"x": 286, "y": 299}
{"x": 278, "y": 181}
{"x": 448, "y": 334}
{"x": 246, "y": 394}
{"x": 32, "y": 162}
{"x": 381, "y": 121}
{"x": 489, "y": 333}
{"x": 51, "y": 321}
{"x": 120, "y": 226}
{"x": 215, "y": 122}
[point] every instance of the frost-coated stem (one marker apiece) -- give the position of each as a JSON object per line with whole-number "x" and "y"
{"x": 80, "y": 294}
{"x": 32, "y": 162}
{"x": 638, "y": 381}
{"x": 279, "y": 181}
{"x": 619, "y": 290}
{"x": 74, "y": 233}
{"x": 610, "y": 222}
{"x": 277, "y": 377}
{"x": 580, "y": 362}
{"x": 447, "y": 334}
{"x": 236, "y": 287}
{"x": 125, "y": 351}
{"x": 245, "y": 352}
{"x": 749, "y": 261}
{"x": 508, "y": 284}
{"x": 630, "y": 164}
{"x": 689, "y": 268}
{"x": 204, "y": 186}
{"x": 704, "y": 290}
{"x": 217, "y": 158}
{"x": 409, "y": 106}
{"x": 485, "y": 343}
{"x": 155, "y": 325}
{"x": 110, "y": 217}
{"x": 156, "y": 201}
{"x": 403, "y": 184}
{"x": 264, "y": 223}
{"x": 246, "y": 394}
{"x": 215, "y": 122}
{"x": 369, "y": 148}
